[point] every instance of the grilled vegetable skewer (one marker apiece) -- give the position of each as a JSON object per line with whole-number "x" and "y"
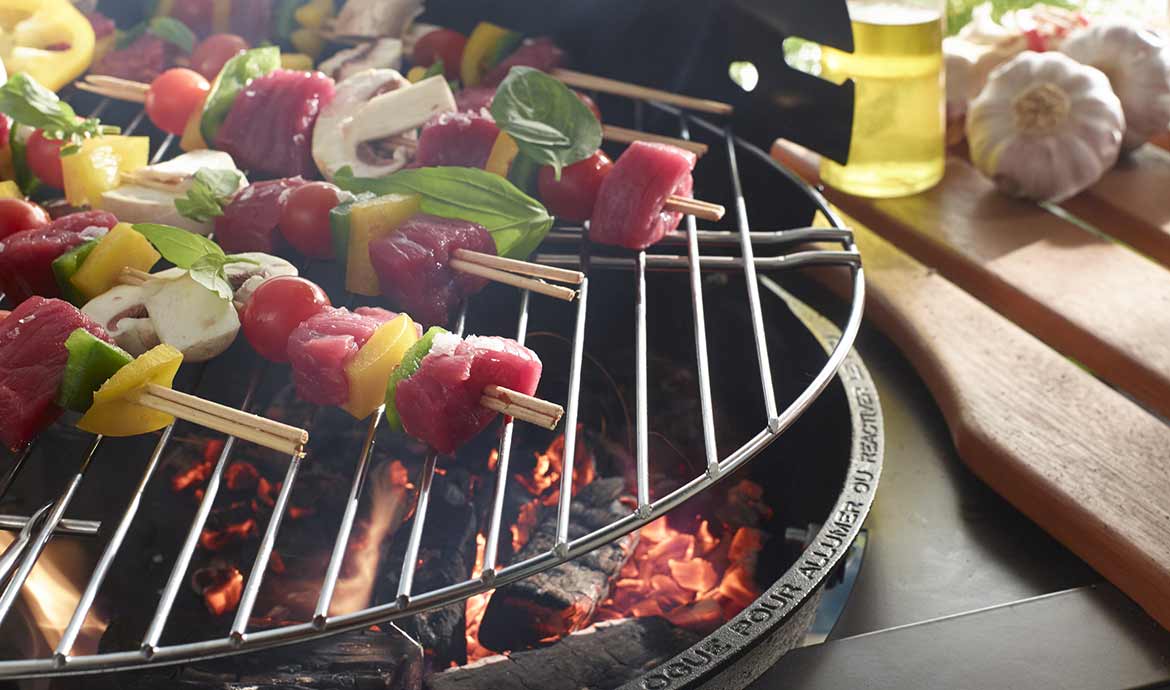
{"x": 53, "y": 357}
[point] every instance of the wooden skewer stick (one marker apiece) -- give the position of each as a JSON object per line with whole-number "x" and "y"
{"x": 114, "y": 87}
{"x": 259, "y": 430}
{"x": 696, "y": 207}
{"x": 558, "y": 291}
{"x": 525, "y": 268}
{"x": 622, "y": 135}
{"x": 523, "y": 407}
{"x": 620, "y": 88}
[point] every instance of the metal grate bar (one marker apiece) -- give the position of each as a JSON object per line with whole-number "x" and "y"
{"x": 10, "y": 478}
{"x": 729, "y": 238}
{"x": 183, "y": 560}
{"x": 12, "y": 590}
{"x": 703, "y": 364}
{"x": 642, "y": 423}
{"x": 264, "y": 553}
{"x": 162, "y": 149}
{"x": 804, "y": 259}
{"x": 325, "y": 598}
{"x": 66, "y": 526}
{"x": 753, "y": 286}
{"x": 410, "y": 561}
{"x": 492, "y": 545}
{"x": 571, "y": 409}
{"x": 85, "y": 603}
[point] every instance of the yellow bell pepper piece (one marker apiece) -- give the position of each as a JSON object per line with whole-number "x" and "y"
{"x": 104, "y": 46}
{"x": 296, "y": 61}
{"x": 481, "y": 47}
{"x": 99, "y": 165}
{"x": 29, "y": 27}
{"x": 416, "y": 74}
{"x": 503, "y": 152}
{"x": 369, "y": 220}
{"x": 312, "y": 15}
{"x": 10, "y": 190}
{"x": 221, "y": 15}
{"x": 307, "y": 41}
{"x": 121, "y": 247}
{"x": 113, "y": 415}
{"x": 164, "y": 8}
{"x": 369, "y": 372}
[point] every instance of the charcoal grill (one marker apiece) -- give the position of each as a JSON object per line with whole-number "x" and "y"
{"x": 700, "y": 253}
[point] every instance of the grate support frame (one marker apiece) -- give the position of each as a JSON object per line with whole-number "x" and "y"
{"x": 691, "y": 241}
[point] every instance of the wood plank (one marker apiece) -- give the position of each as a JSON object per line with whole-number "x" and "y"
{"x": 1082, "y": 461}
{"x": 1131, "y": 203}
{"x": 1091, "y": 299}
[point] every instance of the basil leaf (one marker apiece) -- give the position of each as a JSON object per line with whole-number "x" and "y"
{"x": 548, "y": 121}
{"x": 517, "y": 222}
{"x": 173, "y": 31}
{"x": 208, "y": 272}
{"x": 210, "y": 191}
{"x": 236, "y": 74}
{"x": 183, "y": 249}
{"x": 25, "y": 179}
{"x": 28, "y": 103}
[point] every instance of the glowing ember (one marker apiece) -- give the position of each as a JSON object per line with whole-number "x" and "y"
{"x": 221, "y": 586}
{"x": 217, "y": 540}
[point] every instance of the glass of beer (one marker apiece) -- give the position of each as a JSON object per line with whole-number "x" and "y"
{"x": 899, "y": 119}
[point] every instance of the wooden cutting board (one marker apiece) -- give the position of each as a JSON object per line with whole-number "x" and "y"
{"x": 1081, "y": 460}
{"x": 1091, "y": 298}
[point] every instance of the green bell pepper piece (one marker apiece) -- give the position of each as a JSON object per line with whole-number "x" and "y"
{"x": 409, "y": 365}
{"x": 66, "y": 265}
{"x": 235, "y": 76}
{"x": 339, "y": 224}
{"x": 91, "y": 363}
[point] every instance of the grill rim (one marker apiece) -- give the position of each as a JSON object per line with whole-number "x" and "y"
{"x": 238, "y": 641}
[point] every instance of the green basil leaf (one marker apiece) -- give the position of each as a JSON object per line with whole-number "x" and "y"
{"x": 517, "y": 222}
{"x": 173, "y": 31}
{"x": 182, "y": 248}
{"x": 548, "y": 121}
{"x": 210, "y": 192}
{"x": 25, "y": 179}
{"x": 236, "y": 74}
{"x": 239, "y": 259}
{"x": 28, "y": 103}
{"x": 208, "y": 272}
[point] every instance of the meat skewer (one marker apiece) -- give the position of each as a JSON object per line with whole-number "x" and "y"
{"x": 53, "y": 356}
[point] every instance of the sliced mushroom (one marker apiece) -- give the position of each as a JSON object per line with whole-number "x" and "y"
{"x": 186, "y": 315}
{"x": 122, "y": 312}
{"x": 368, "y": 109}
{"x": 151, "y": 198}
{"x": 370, "y": 18}
{"x": 245, "y": 277}
{"x": 384, "y": 53}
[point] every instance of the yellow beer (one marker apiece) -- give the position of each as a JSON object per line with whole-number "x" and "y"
{"x": 899, "y": 123}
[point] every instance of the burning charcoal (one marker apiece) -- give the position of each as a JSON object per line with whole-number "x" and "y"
{"x": 446, "y": 557}
{"x": 601, "y": 657}
{"x": 563, "y": 599}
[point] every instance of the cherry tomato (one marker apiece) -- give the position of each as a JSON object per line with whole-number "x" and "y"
{"x": 173, "y": 96}
{"x": 441, "y": 44}
{"x": 44, "y": 159}
{"x": 18, "y": 214}
{"x": 589, "y": 103}
{"x": 274, "y": 311}
{"x": 216, "y": 49}
{"x": 572, "y": 197}
{"x": 5, "y": 125}
{"x": 304, "y": 218}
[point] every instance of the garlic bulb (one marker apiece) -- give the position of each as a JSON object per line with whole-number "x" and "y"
{"x": 1136, "y": 62}
{"x": 1045, "y": 126}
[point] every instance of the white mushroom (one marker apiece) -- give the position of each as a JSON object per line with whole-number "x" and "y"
{"x": 122, "y": 312}
{"x": 151, "y": 198}
{"x": 369, "y": 108}
{"x": 369, "y": 18}
{"x": 173, "y": 309}
{"x": 384, "y": 53}
{"x": 186, "y": 315}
